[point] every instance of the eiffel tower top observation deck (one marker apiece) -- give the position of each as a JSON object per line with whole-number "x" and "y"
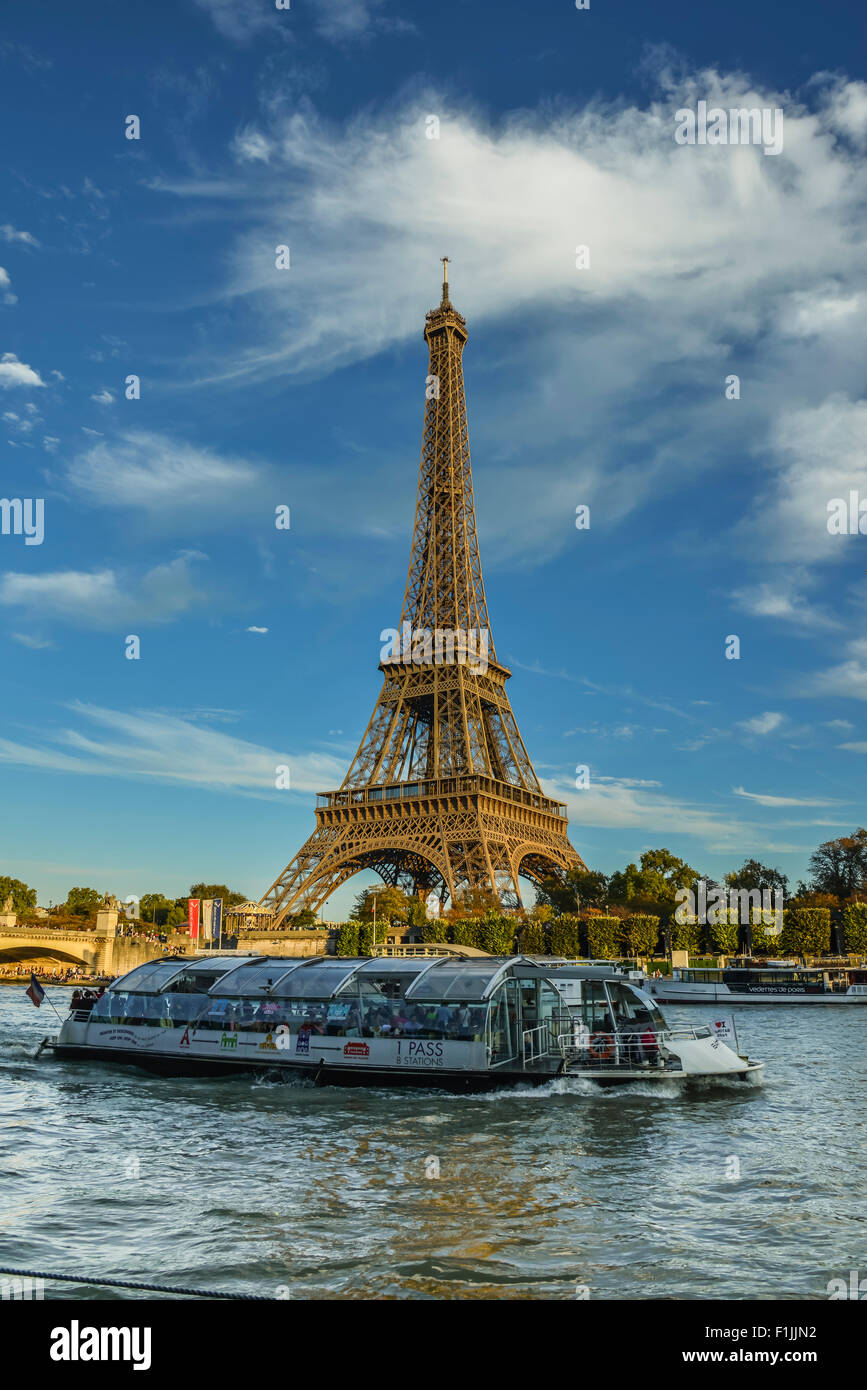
{"x": 441, "y": 795}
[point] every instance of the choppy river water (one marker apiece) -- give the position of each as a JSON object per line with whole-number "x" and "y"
{"x": 746, "y": 1192}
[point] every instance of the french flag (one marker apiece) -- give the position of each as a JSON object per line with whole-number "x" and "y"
{"x": 35, "y": 992}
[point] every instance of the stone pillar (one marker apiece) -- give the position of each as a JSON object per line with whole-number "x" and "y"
{"x": 106, "y": 922}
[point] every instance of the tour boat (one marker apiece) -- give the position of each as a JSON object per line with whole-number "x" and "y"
{"x": 765, "y": 984}
{"x": 455, "y": 1022}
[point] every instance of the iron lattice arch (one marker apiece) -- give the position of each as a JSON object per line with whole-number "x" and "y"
{"x": 441, "y": 795}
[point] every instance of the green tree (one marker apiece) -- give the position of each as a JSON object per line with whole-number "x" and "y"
{"x": 473, "y": 903}
{"x": 754, "y": 875}
{"x": 840, "y": 866}
{"x": 217, "y": 890}
{"x": 855, "y": 928}
{"x": 304, "y": 919}
{"x": 155, "y": 908}
{"x": 81, "y": 902}
{"x": 23, "y": 898}
{"x": 392, "y": 905}
{"x": 576, "y": 889}
{"x": 657, "y": 879}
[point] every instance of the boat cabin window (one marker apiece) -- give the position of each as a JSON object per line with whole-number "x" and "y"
{"x": 633, "y": 1010}
{"x": 700, "y": 977}
{"x": 148, "y": 1010}
{"x": 595, "y": 1010}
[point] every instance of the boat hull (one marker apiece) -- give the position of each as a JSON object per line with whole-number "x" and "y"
{"x": 323, "y": 1074}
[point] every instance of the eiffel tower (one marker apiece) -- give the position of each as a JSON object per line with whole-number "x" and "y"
{"x": 441, "y": 795}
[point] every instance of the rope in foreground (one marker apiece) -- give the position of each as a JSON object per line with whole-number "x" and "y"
{"x": 130, "y": 1284}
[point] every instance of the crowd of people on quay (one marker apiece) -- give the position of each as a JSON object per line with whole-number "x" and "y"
{"x": 56, "y": 975}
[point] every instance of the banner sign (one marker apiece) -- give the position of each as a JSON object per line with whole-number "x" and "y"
{"x": 217, "y": 919}
{"x": 193, "y": 905}
{"x": 208, "y": 919}
{"x": 724, "y": 1029}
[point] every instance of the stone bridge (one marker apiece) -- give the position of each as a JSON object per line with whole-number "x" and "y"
{"x": 110, "y": 955}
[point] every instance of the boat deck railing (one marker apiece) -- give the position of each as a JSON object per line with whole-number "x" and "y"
{"x": 630, "y": 1050}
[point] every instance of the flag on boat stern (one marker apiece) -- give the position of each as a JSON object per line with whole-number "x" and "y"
{"x": 35, "y": 991}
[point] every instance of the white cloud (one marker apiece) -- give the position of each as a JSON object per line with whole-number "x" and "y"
{"x": 853, "y": 747}
{"x": 15, "y": 373}
{"x": 104, "y": 598}
{"x": 162, "y": 747}
{"x": 154, "y": 471}
{"x": 6, "y": 287}
{"x": 762, "y": 723}
{"x": 250, "y": 145}
{"x": 103, "y": 397}
{"x": 28, "y": 639}
{"x": 780, "y": 598}
{"x": 764, "y": 800}
{"x": 667, "y": 309}
{"x": 822, "y": 456}
{"x": 50, "y": 443}
{"x": 257, "y": 629}
{"x": 847, "y": 679}
{"x": 11, "y": 234}
{"x": 241, "y": 21}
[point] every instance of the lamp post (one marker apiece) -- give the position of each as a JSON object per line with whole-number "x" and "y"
{"x": 373, "y": 947}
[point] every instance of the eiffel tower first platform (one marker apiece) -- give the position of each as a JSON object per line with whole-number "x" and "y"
{"x": 441, "y": 795}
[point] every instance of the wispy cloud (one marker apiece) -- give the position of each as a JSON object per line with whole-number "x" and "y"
{"x": 762, "y": 723}
{"x": 160, "y": 747}
{"x": 156, "y": 472}
{"x": 106, "y": 598}
{"x": 764, "y": 800}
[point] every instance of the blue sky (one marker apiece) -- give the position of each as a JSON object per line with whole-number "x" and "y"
{"x": 305, "y": 387}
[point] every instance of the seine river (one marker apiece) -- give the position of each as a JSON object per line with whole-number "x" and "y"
{"x": 749, "y": 1192}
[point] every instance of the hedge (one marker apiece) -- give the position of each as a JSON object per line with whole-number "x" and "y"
{"x": 724, "y": 937}
{"x": 806, "y": 931}
{"x": 602, "y": 936}
{"x": 347, "y": 939}
{"x": 565, "y": 936}
{"x": 639, "y": 934}
{"x": 855, "y": 927}
{"x": 365, "y": 939}
{"x": 533, "y": 940}
{"x": 686, "y": 936}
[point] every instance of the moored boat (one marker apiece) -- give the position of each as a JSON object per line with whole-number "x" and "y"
{"x": 766, "y": 984}
{"x": 455, "y": 1022}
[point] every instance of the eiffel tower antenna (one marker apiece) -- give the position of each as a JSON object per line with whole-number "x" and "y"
{"x": 441, "y": 795}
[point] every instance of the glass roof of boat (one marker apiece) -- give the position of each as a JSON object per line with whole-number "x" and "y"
{"x": 463, "y": 979}
{"x": 256, "y": 976}
{"x": 154, "y": 975}
{"x": 319, "y": 978}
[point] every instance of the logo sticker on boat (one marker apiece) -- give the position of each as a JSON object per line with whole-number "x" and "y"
{"x": 229, "y": 1040}
{"x": 356, "y": 1049}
